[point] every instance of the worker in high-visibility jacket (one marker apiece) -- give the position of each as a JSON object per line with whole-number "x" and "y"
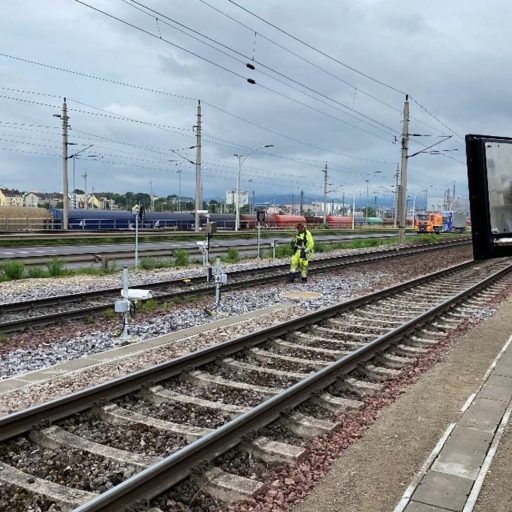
{"x": 302, "y": 246}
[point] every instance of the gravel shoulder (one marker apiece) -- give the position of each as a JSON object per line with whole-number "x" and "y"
{"x": 374, "y": 472}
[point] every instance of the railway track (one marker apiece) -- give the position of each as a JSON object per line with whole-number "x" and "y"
{"x": 21, "y": 315}
{"x": 258, "y": 397}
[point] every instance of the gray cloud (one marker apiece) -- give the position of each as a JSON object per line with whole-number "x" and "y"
{"x": 451, "y": 57}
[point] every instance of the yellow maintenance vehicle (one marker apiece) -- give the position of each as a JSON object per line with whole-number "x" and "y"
{"x": 427, "y": 222}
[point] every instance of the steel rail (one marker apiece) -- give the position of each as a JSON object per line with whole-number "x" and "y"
{"x": 155, "y": 479}
{"x": 21, "y": 422}
{"x": 94, "y": 254}
{"x": 278, "y": 271}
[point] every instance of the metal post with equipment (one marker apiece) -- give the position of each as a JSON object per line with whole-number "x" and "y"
{"x": 123, "y": 306}
{"x": 273, "y": 244}
{"x": 260, "y": 217}
{"x": 204, "y": 247}
{"x": 126, "y": 305}
{"x": 139, "y": 212}
{"x": 219, "y": 279}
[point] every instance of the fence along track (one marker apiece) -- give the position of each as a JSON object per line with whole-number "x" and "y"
{"x": 40, "y": 312}
{"x": 352, "y": 332}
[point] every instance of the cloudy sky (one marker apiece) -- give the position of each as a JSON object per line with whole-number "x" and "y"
{"x": 133, "y": 73}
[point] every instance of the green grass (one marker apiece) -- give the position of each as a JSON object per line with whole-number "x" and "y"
{"x": 181, "y": 258}
{"x": 232, "y": 256}
{"x": 108, "y": 314}
{"x": 147, "y": 306}
{"x": 57, "y": 268}
{"x": 36, "y": 272}
{"x": 154, "y": 263}
{"x": 13, "y": 270}
{"x": 4, "y": 338}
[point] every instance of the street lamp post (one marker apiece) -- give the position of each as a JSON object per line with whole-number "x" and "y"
{"x": 179, "y": 171}
{"x": 241, "y": 160}
{"x": 367, "y": 199}
{"x": 353, "y": 210}
{"x": 74, "y": 156}
{"x": 363, "y": 178}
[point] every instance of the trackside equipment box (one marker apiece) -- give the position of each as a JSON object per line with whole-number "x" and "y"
{"x": 489, "y": 160}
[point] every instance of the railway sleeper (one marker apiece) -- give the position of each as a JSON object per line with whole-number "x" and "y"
{"x": 308, "y": 427}
{"x": 376, "y": 311}
{"x": 115, "y": 414}
{"x": 203, "y": 379}
{"x": 394, "y": 361}
{"x": 447, "y": 318}
{"x": 325, "y": 352}
{"x": 240, "y": 366}
{"x": 422, "y": 342}
{"x": 67, "y": 498}
{"x": 409, "y": 351}
{"x": 385, "y": 321}
{"x": 268, "y": 450}
{"x": 227, "y": 487}
{"x": 312, "y": 337}
{"x": 361, "y": 388}
{"x": 459, "y": 315}
{"x": 447, "y": 326}
{"x": 337, "y": 404}
{"x": 364, "y": 324}
{"x": 159, "y": 394}
{"x": 378, "y": 373}
{"x": 55, "y": 438}
{"x": 479, "y": 301}
{"x": 433, "y": 334}
{"x": 264, "y": 355}
{"x": 339, "y": 332}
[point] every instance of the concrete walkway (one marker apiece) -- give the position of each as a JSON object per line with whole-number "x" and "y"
{"x": 453, "y": 474}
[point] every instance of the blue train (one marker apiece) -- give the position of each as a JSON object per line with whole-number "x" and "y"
{"x": 115, "y": 220}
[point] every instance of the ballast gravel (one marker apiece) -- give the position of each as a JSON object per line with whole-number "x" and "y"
{"x": 31, "y": 351}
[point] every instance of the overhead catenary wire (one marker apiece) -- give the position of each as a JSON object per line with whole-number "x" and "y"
{"x": 166, "y": 152}
{"x": 153, "y": 12}
{"x": 291, "y": 52}
{"x": 228, "y": 175}
{"x": 106, "y": 114}
{"x": 317, "y": 50}
{"x": 338, "y": 61}
{"x": 220, "y": 109}
{"x": 195, "y": 54}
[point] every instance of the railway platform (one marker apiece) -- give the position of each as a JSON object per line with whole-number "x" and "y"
{"x": 445, "y": 445}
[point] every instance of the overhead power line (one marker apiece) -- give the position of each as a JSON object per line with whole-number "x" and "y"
{"x": 152, "y": 12}
{"x": 321, "y": 52}
{"x": 220, "y": 109}
{"x": 291, "y": 52}
{"x": 109, "y": 115}
{"x": 161, "y": 38}
{"x": 96, "y": 77}
{"x": 334, "y": 59}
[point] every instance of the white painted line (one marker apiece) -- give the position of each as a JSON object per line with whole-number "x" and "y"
{"x": 402, "y": 504}
{"x": 469, "y": 401}
{"x": 477, "y": 487}
{"x": 498, "y": 357}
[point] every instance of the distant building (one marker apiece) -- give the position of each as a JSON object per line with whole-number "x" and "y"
{"x": 11, "y": 197}
{"x": 31, "y": 200}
